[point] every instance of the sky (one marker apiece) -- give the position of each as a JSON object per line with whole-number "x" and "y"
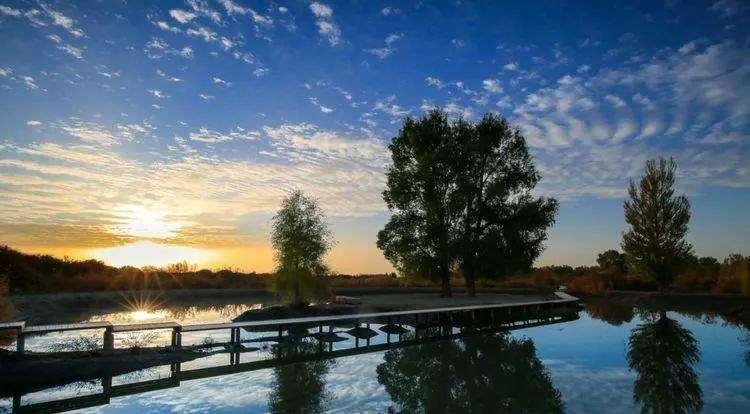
{"x": 171, "y": 131}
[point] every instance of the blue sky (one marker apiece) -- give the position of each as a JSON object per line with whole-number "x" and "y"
{"x": 185, "y": 122}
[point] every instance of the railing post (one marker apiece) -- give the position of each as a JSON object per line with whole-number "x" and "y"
{"x": 109, "y": 340}
{"x": 177, "y": 337}
{"x": 20, "y": 341}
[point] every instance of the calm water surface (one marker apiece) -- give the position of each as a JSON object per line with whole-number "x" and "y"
{"x": 611, "y": 359}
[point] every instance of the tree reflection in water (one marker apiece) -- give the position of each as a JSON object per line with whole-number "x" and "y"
{"x": 299, "y": 387}
{"x": 663, "y": 353}
{"x": 476, "y": 374}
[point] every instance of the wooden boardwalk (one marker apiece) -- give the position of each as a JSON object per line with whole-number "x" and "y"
{"x": 22, "y": 330}
{"x": 428, "y": 330}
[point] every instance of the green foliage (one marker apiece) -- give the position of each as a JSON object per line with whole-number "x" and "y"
{"x": 501, "y": 226}
{"x": 612, "y": 260}
{"x": 663, "y": 353}
{"x": 460, "y": 194}
{"x": 300, "y": 239}
{"x": 658, "y": 220}
{"x": 478, "y": 374}
{"x": 416, "y": 240}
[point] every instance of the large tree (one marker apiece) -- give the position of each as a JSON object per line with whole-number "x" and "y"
{"x": 300, "y": 239}
{"x": 461, "y": 198}
{"x": 502, "y": 226}
{"x": 417, "y": 238}
{"x": 658, "y": 219}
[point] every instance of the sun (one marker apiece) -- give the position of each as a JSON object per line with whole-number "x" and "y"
{"x": 147, "y": 253}
{"x": 138, "y": 221}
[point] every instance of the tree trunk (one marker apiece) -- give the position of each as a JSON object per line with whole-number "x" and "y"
{"x": 446, "y": 288}
{"x": 470, "y": 283}
{"x": 445, "y": 276}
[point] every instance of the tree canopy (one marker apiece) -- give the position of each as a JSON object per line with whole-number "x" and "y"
{"x": 460, "y": 193}
{"x": 658, "y": 222}
{"x": 300, "y": 239}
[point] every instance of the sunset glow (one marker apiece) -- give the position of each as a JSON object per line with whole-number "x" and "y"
{"x": 138, "y": 221}
{"x": 147, "y": 253}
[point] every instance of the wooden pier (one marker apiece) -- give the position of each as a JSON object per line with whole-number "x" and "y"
{"x": 22, "y": 330}
{"x": 424, "y": 326}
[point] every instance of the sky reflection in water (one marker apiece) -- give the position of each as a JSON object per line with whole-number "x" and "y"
{"x": 582, "y": 363}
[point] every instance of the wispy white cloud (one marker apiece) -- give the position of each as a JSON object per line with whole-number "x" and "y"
{"x": 324, "y": 21}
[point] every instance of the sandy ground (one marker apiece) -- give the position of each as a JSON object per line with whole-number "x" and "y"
{"x": 75, "y": 307}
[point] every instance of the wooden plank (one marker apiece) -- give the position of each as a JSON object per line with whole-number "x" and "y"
{"x": 206, "y": 327}
{"x": 12, "y": 325}
{"x": 66, "y": 327}
{"x": 144, "y": 326}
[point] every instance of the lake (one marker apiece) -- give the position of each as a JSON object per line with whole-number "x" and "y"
{"x": 614, "y": 359}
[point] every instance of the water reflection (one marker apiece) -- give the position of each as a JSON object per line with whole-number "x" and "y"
{"x": 663, "y": 354}
{"x": 300, "y": 387}
{"x": 477, "y": 374}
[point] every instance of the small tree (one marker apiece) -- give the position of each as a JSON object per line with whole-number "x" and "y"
{"x": 300, "y": 239}
{"x": 655, "y": 242}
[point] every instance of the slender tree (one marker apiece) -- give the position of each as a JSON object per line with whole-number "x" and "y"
{"x": 658, "y": 220}
{"x": 300, "y": 239}
{"x": 502, "y": 226}
{"x": 417, "y": 238}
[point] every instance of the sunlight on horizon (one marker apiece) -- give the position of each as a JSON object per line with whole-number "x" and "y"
{"x": 139, "y": 221}
{"x": 146, "y": 253}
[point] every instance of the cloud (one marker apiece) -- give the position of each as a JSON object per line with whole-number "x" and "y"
{"x": 326, "y": 28}
{"x": 208, "y": 136}
{"x": 157, "y": 94}
{"x": 432, "y": 81}
{"x": 221, "y": 82}
{"x": 182, "y": 16}
{"x": 492, "y": 86}
{"x": 512, "y": 66}
{"x": 90, "y": 132}
{"x": 33, "y": 123}
{"x": 323, "y": 108}
{"x": 72, "y": 51}
{"x": 389, "y": 107}
{"x": 586, "y": 149}
{"x": 202, "y": 8}
{"x": 386, "y": 51}
{"x": 205, "y": 33}
{"x": 727, "y": 8}
{"x": 388, "y": 11}
{"x": 321, "y": 11}
{"x": 59, "y": 19}
{"x": 70, "y": 189}
{"x": 616, "y": 101}
{"x": 9, "y": 11}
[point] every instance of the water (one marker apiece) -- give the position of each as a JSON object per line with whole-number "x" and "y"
{"x": 582, "y": 365}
